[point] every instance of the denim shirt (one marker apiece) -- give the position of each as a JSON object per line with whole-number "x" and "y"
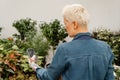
{"x": 84, "y": 58}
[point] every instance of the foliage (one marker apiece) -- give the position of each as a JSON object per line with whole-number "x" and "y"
{"x": 25, "y": 27}
{"x": 117, "y": 72}
{"x": 13, "y": 61}
{"x": 13, "y": 64}
{"x": 54, "y": 32}
{"x": 32, "y": 39}
{"x": 39, "y": 44}
{"x": 113, "y": 39}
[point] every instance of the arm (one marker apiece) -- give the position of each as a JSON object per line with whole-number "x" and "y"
{"x": 55, "y": 68}
{"x": 110, "y": 75}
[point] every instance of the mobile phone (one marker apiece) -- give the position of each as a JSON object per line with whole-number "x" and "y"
{"x": 30, "y": 52}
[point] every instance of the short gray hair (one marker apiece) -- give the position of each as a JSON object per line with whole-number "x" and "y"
{"x": 76, "y": 12}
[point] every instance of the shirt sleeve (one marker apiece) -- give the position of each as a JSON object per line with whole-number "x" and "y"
{"x": 55, "y": 68}
{"x": 110, "y": 75}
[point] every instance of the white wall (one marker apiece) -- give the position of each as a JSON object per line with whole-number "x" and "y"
{"x": 104, "y": 13}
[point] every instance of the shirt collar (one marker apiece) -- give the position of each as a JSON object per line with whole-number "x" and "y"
{"x": 81, "y": 34}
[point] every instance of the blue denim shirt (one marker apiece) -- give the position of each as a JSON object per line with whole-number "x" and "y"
{"x": 84, "y": 58}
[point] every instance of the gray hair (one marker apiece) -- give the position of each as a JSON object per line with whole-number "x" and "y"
{"x": 76, "y": 12}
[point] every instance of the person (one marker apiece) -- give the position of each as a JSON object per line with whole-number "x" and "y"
{"x": 84, "y": 58}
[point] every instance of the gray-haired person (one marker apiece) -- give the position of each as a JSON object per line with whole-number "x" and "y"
{"x": 84, "y": 58}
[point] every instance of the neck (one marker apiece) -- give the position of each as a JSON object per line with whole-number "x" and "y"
{"x": 83, "y": 29}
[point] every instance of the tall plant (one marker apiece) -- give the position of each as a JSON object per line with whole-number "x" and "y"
{"x": 54, "y": 32}
{"x": 25, "y": 27}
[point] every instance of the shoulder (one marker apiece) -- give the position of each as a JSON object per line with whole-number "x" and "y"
{"x": 63, "y": 47}
{"x": 102, "y": 43}
{"x": 65, "y": 44}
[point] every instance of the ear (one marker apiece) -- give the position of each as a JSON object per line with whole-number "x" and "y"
{"x": 75, "y": 23}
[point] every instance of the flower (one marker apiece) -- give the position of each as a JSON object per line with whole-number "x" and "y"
{"x": 12, "y": 56}
{"x": 10, "y": 38}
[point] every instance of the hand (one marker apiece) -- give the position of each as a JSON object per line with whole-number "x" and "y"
{"x": 33, "y": 59}
{"x": 32, "y": 63}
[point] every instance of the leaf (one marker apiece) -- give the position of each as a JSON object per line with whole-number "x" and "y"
{"x": 15, "y": 47}
{"x": 1, "y": 47}
{"x": 10, "y": 70}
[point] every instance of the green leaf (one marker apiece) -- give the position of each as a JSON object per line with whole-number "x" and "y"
{"x": 15, "y": 47}
{"x": 10, "y": 70}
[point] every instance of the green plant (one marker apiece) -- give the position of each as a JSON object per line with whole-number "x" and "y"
{"x": 7, "y": 57}
{"x": 117, "y": 72}
{"x": 25, "y": 27}
{"x": 54, "y": 32}
{"x": 39, "y": 44}
{"x": 13, "y": 64}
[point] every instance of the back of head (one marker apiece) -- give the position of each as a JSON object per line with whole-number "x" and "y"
{"x": 76, "y": 12}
